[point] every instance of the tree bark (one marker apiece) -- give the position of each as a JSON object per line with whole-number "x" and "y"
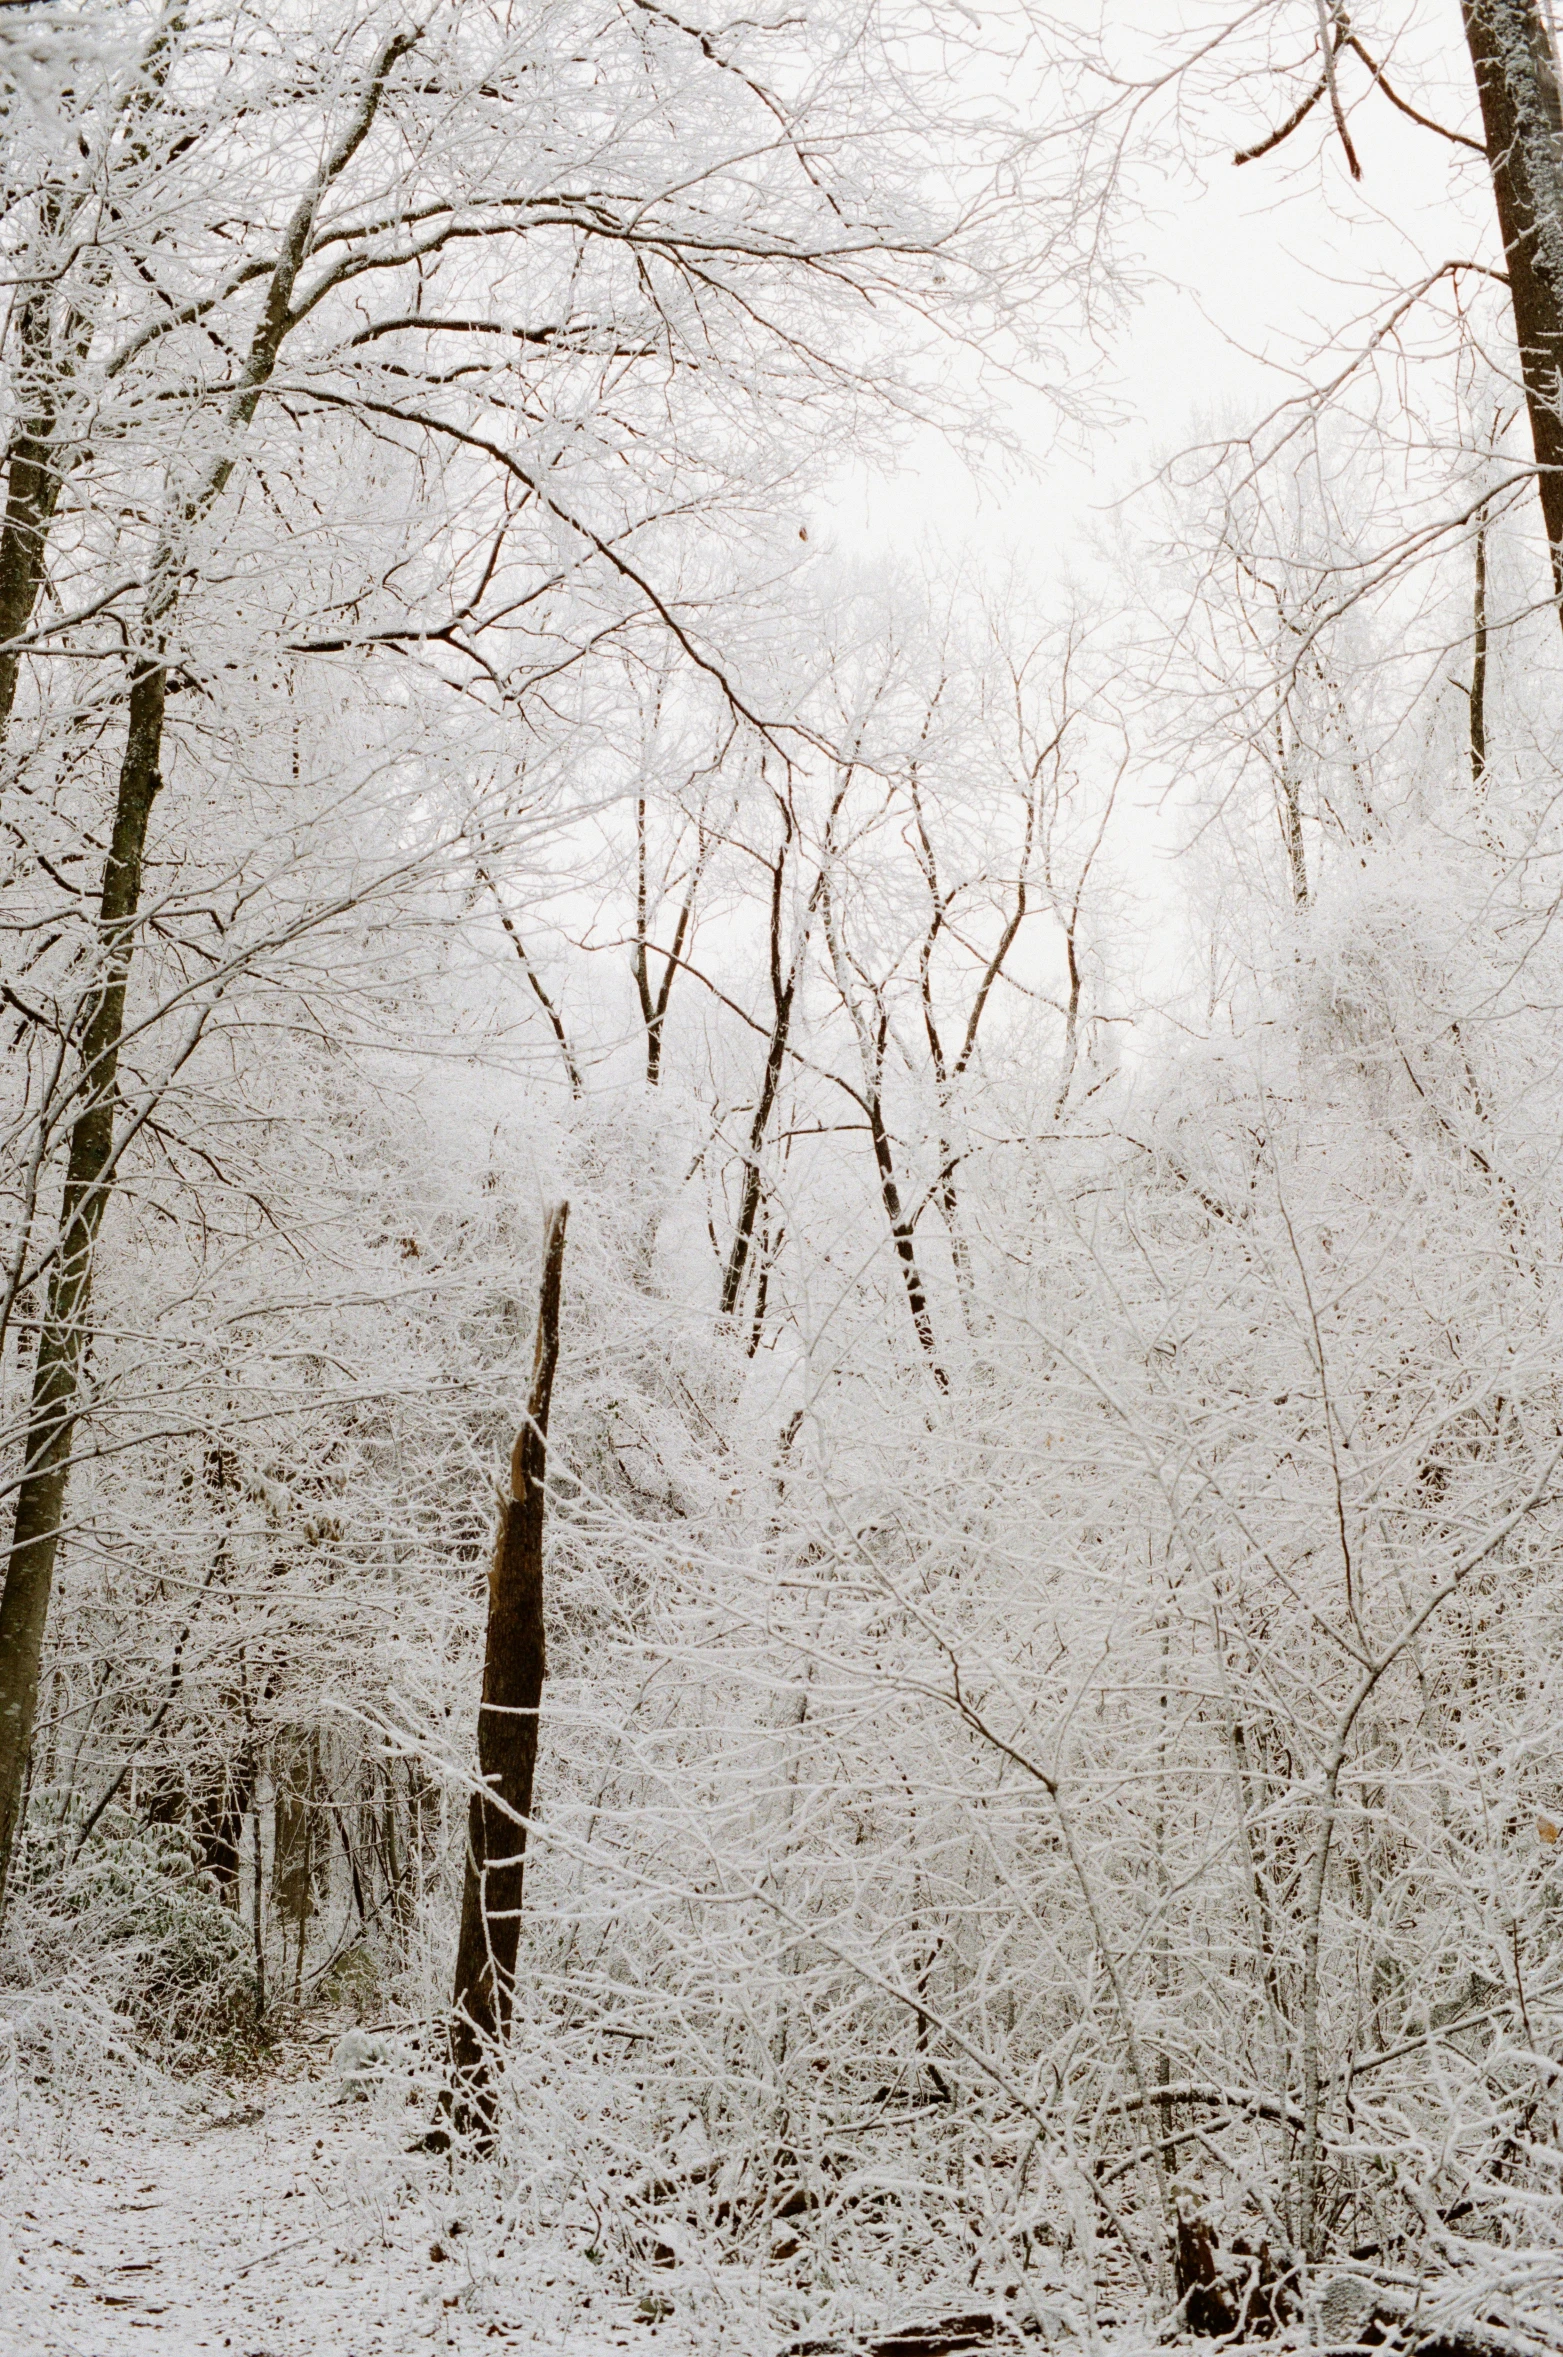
{"x": 654, "y": 1004}
{"x": 514, "y": 1665}
{"x": 1288, "y": 757}
{"x": 901, "y": 1232}
{"x": 872, "y": 1038}
{"x": 1522, "y": 115}
{"x": 59, "y": 1375}
{"x": 297, "y": 1864}
{"x": 35, "y": 471}
{"x": 218, "y": 1809}
{"x": 948, "y": 1196}
{"x": 62, "y": 1347}
{"x": 749, "y": 1199}
{"x": 39, "y": 456}
{"x": 784, "y": 990}
{"x": 1477, "y": 696}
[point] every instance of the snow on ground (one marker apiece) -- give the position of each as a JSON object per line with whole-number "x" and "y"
{"x": 277, "y": 2221}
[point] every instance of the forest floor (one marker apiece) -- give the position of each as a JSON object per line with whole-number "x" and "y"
{"x": 282, "y": 2213}
{"x": 269, "y": 2220}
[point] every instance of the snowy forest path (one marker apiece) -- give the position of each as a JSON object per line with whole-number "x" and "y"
{"x": 278, "y": 2223}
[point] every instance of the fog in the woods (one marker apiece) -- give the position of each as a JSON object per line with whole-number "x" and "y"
{"x": 781, "y": 1222}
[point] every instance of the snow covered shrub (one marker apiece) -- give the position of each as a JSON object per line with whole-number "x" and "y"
{"x": 174, "y": 1959}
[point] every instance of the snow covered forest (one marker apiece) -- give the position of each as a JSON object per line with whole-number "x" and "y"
{"x": 909, "y": 654}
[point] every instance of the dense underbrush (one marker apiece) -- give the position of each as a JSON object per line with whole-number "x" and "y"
{"x": 168, "y": 1957}
{"x": 849, "y": 2215}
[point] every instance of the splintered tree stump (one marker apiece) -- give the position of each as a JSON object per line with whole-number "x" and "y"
{"x": 513, "y": 1669}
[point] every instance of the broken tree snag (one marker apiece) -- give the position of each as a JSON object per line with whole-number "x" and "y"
{"x": 1522, "y": 114}
{"x": 513, "y": 1668}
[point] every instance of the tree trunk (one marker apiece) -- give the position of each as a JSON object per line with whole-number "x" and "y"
{"x": 654, "y": 1005}
{"x": 37, "y": 458}
{"x": 1289, "y": 759}
{"x": 902, "y": 1237}
{"x": 299, "y": 1861}
{"x": 513, "y": 1670}
{"x": 749, "y": 1200}
{"x": 555, "y": 1019}
{"x": 1477, "y": 696}
{"x": 33, "y": 479}
{"x": 62, "y": 1348}
{"x": 784, "y": 990}
{"x": 218, "y": 1809}
{"x": 1522, "y": 115}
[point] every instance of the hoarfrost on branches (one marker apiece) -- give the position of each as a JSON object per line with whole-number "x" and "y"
{"x": 1047, "y": 1790}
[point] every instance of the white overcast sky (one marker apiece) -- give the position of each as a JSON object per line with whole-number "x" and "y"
{"x": 1253, "y": 269}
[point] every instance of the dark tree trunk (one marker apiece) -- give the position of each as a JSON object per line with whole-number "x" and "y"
{"x": 1477, "y": 698}
{"x": 513, "y": 1670}
{"x": 32, "y": 494}
{"x": 62, "y": 1348}
{"x": 902, "y": 1237}
{"x": 217, "y": 1814}
{"x": 299, "y": 1855}
{"x": 37, "y": 459}
{"x": 60, "y": 1374}
{"x": 749, "y": 1200}
{"x": 1522, "y": 115}
{"x": 784, "y": 991}
{"x": 654, "y": 1004}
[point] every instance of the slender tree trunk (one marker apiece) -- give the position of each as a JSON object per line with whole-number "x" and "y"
{"x": 946, "y": 1078}
{"x": 654, "y": 1005}
{"x": 1522, "y": 115}
{"x": 1478, "y": 688}
{"x": 59, "y": 1374}
{"x": 297, "y": 1856}
{"x": 872, "y": 1038}
{"x": 555, "y": 1019}
{"x": 749, "y": 1200}
{"x": 902, "y": 1237}
{"x": 1288, "y": 765}
{"x": 514, "y": 1665}
{"x": 784, "y": 991}
{"x": 37, "y": 458}
{"x": 948, "y": 1196}
{"x": 770, "y": 1251}
{"x": 32, "y": 491}
{"x": 258, "y": 1914}
{"x": 217, "y": 1813}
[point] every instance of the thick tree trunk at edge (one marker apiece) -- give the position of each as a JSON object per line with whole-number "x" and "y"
{"x": 1522, "y": 115}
